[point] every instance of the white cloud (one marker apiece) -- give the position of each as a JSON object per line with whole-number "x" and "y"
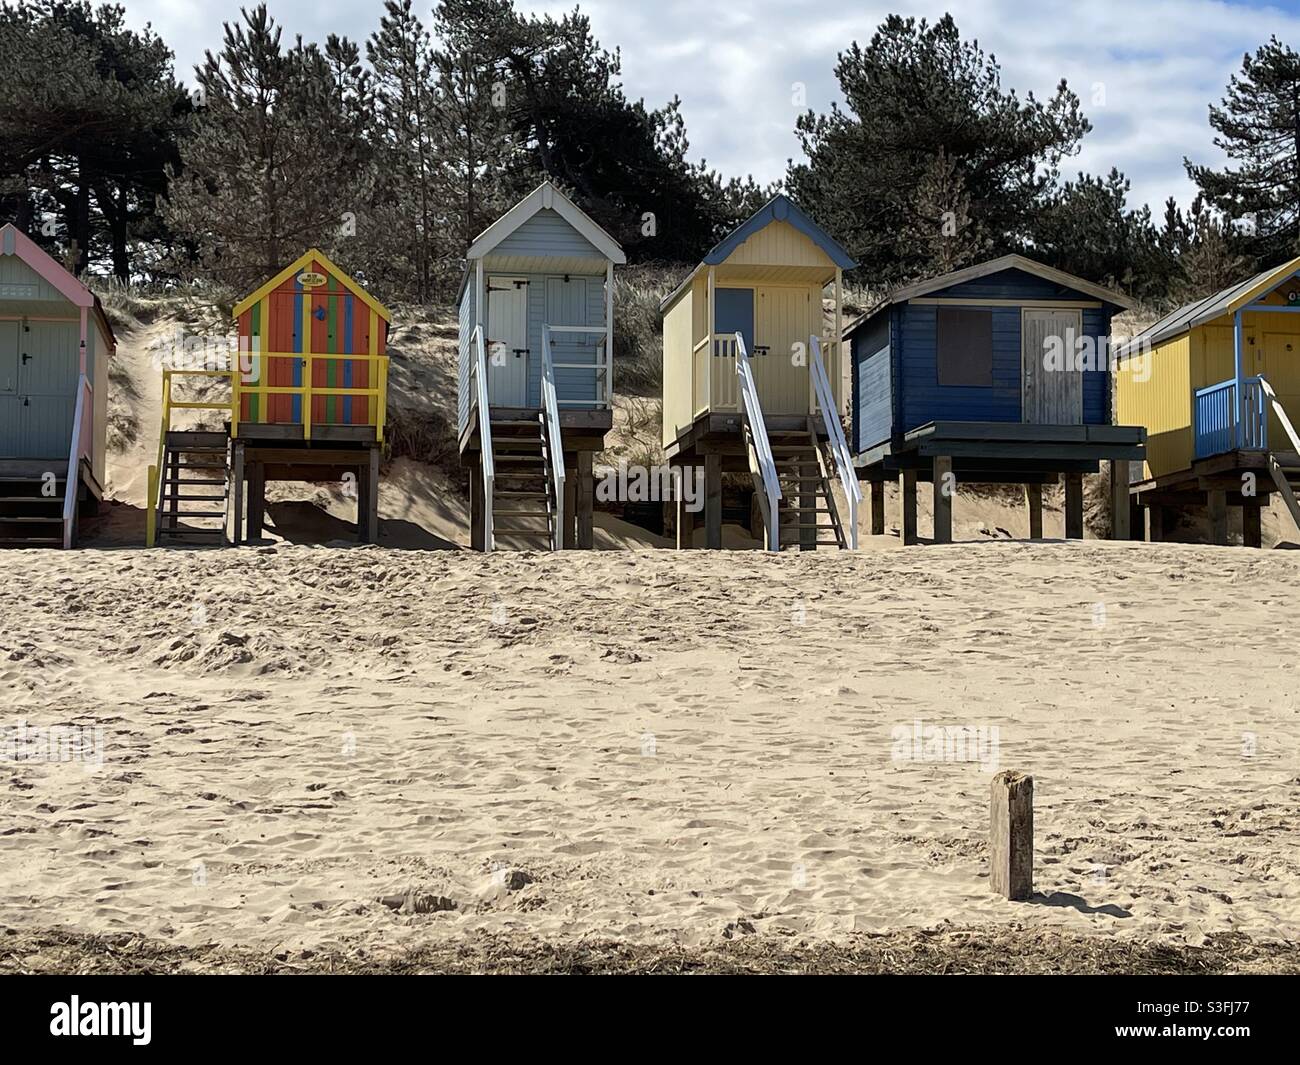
{"x": 1160, "y": 62}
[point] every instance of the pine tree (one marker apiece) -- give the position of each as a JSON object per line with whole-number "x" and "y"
{"x": 1258, "y": 126}
{"x": 915, "y": 91}
{"x": 940, "y": 226}
{"x": 279, "y": 159}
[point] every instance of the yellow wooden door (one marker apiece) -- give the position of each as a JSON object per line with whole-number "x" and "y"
{"x": 1281, "y": 365}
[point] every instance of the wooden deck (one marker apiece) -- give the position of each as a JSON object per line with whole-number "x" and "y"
{"x": 1240, "y": 478}
{"x": 583, "y": 430}
{"x": 1003, "y": 452}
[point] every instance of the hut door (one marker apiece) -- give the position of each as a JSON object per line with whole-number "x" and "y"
{"x": 49, "y": 362}
{"x": 9, "y": 401}
{"x": 566, "y": 304}
{"x": 1281, "y": 365}
{"x": 1052, "y": 390}
{"x": 507, "y": 341}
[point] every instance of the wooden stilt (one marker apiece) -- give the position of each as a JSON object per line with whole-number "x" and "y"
{"x": 945, "y": 487}
{"x": 237, "y": 502}
{"x": 907, "y": 498}
{"x": 371, "y": 535}
{"x": 877, "y": 508}
{"x": 570, "y": 502}
{"x": 1119, "y": 501}
{"x": 586, "y": 500}
{"x": 477, "y": 519}
{"x": 713, "y": 501}
{"x": 256, "y": 500}
{"x": 1074, "y": 506}
{"x": 1011, "y": 836}
{"x": 1217, "y": 505}
{"x": 685, "y": 518}
{"x": 1252, "y": 528}
{"x": 1137, "y": 520}
{"x": 1034, "y": 502}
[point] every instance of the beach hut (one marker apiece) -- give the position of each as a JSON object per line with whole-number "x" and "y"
{"x": 997, "y": 373}
{"x": 305, "y": 400}
{"x": 751, "y": 379}
{"x": 55, "y": 346}
{"x": 1217, "y": 385}
{"x": 536, "y": 372}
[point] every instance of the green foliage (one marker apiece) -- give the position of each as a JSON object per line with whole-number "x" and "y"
{"x": 279, "y": 159}
{"x": 1258, "y": 126}
{"x": 90, "y": 116}
{"x": 926, "y": 112}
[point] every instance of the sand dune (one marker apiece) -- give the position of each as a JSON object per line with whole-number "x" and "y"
{"x": 326, "y": 748}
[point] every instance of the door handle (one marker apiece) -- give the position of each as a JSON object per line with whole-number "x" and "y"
{"x": 26, "y": 358}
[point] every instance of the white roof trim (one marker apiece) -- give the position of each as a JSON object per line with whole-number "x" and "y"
{"x": 546, "y": 197}
{"x": 1010, "y": 262}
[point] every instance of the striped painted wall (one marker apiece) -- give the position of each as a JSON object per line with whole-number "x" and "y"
{"x": 327, "y": 319}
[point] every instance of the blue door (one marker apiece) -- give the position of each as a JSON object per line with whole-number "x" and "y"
{"x": 733, "y": 312}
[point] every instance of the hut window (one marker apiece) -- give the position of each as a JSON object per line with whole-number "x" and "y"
{"x": 964, "y": 340}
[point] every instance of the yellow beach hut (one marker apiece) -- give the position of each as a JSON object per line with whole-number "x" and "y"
{"x": 1217, "y": 385}
{"x": 752, "y": 379}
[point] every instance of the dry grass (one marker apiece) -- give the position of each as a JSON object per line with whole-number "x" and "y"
{"x": 965, "y": 951}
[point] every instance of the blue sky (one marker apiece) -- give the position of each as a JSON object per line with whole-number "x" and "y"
{"x": 1146, "y": 70}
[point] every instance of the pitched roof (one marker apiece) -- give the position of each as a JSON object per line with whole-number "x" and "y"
{"x": 302, "y": 263}
{"x": 1198, "y": 312}
{"x": 546, "y": 197}
{"x": 985, "y": 269}
{"x": 13, "y": 241}
{"x": 778, "y": 209}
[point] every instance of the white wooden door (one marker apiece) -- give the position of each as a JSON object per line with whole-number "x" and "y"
{"x": 507, "y": 341}
{"x": 1052, "y": 374}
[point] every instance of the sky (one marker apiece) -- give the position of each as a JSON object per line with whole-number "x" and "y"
{"x": 1146, "y": 71}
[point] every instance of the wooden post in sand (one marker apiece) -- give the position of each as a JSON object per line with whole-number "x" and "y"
{"x": 907, "y": 499}
{"x": 1034, "y": 501}
{"x": 877, "y": 508}
{"x": 1119, "y": 504}
{"x": 944, "y": 488}
{"x": 1011, "y": 836}
{"x": 1074, "y": 506}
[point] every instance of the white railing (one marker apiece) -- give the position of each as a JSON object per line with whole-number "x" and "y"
{"x": 83, "y": 433}
{"x": 1280, "y": 411}
{"x": 479, "y": 397}
{"x": 602, "y": 367}
{"x": 554, "y": 441}
{"x": 839, "y": 446}
{"x": 761, "y": 462}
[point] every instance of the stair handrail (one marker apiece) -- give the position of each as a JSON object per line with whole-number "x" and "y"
{"x": 839, "y": 448}
{"x": 82, "y": 432}
{"x": 554, "y": 441}
{"x": 760, "y": 446}
{"x": 1280, "y": 411}
{"x": 480, "y": 394}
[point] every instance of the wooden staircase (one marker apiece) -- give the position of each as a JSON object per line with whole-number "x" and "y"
{"x": 195, "y": 487}
{"x": 523, "y": 496}
{"x": 1285, "y": 468}
{"x": 31, "y": 506}
{"x": 808, "y": 516}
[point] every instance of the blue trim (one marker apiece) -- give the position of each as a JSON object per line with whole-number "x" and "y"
{"x": 298, "y": 341}
{"x": 780, "y": 209}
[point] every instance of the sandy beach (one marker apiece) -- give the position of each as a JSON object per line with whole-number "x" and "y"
{"x": 324, "y": 749}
